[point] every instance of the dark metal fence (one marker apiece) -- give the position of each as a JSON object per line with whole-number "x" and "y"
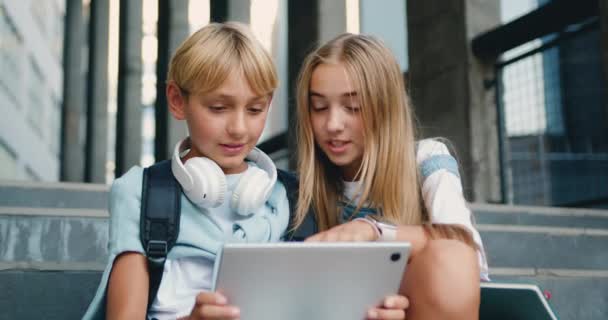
{"x": 553, "y": 115}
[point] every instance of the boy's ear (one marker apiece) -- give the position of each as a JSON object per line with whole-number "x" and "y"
{"x": 176, "y": 101}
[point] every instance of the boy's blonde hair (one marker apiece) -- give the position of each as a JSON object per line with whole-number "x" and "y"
{"x": 388, "y": 172}
{"x": 204, "y": 60}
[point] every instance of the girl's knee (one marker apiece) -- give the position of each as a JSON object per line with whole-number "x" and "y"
{"x": 444, "y": 279}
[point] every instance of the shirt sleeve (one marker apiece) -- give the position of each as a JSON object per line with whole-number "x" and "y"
{"x": 443, "y": 195}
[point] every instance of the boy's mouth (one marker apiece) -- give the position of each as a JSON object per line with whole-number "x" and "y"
{"x": 232, "y": 148}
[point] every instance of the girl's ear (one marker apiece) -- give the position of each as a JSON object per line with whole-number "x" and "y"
{"x": 176, "y": 101}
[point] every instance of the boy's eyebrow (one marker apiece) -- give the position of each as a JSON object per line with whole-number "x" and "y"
{"x": 224, "y": 96}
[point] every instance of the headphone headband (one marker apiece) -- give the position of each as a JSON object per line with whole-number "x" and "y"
{"x": 261, "y": 159}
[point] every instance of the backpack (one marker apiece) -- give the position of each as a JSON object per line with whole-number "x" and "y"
{"x": 161, "y": 210}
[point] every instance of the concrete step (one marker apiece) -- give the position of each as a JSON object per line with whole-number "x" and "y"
{"x": 52, "y": 295}
{"x": 545, "y": 247}
{"x": 53, "y": 195}
{"x": 539, "y": 216}
{"x": 581, "y": 298}
{"x": 48, "y": 239}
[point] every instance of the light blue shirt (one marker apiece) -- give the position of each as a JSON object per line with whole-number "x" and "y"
{"x": 199, "y": 235}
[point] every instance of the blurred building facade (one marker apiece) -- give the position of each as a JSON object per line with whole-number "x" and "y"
{"x": 532, "y": 131}
{"x": 31, "y": 48}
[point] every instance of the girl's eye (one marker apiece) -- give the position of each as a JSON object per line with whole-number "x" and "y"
{"x": 352, "y": 109}
{"x": 318, "y": 107}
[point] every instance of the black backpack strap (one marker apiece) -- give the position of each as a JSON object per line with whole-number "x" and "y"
{"x": 309, "y": 225}
{"x": 159, "y": 219}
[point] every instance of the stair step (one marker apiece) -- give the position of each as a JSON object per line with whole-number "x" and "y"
{"x": 540, "y": 216}
{"x": 57, "y": 295}
{"x": 32, "y": 240}
{"x": 581, "y": 298}
{"x": 53, "y": 195}
{"x": 545, "y": 247}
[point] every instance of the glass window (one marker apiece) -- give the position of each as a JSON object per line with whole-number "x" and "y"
{"x": 10, "y": 57}
{"x": 38, "y": 95}
{"x": 8, "y": 161}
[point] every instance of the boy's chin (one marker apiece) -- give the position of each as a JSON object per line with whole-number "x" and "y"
{"x": 233, "y": 167}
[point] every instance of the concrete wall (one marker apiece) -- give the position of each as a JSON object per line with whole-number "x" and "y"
{"x": 447, "y": 86}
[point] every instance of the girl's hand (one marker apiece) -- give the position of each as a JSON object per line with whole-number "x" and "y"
{"x": 355, "y": 230}
{"x": 213, "y": 305}
{"x": 393, "y": 308}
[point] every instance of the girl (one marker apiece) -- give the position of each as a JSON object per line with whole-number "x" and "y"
{"x": 220, "y": 82}
{"x": 367, "y": 179}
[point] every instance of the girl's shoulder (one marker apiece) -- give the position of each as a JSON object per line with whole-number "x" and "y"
{"x": 433, "y": 155}
{"x": 427, "y": 148}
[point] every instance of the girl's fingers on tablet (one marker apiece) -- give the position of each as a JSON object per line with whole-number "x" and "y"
{"x": 216, "y": 298}
{"x": 314, "y": 238}
{"x": 216, "y": 312}
{"x": 396, "y": 302}
{"x": 386, "y": 314}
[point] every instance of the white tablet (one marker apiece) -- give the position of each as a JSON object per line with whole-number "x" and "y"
{"x": 303, "y": 281}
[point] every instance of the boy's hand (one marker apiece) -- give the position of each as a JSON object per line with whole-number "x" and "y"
{"x": 393, "y": 308}
{"x": 355, "y": 230}
{"x": 213, "y": 305}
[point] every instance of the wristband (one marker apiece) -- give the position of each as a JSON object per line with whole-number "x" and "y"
{"x": 373, "y": 225}
{"x": 388, "y": 231}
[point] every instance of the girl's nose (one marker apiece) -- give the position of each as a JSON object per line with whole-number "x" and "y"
{"x": 335, "y": 120}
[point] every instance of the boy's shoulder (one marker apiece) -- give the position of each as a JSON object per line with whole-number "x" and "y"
{"x": 128, "y": 183}
{"x": 125, "y": 204}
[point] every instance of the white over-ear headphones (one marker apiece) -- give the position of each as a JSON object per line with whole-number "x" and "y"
{"x": 204, "y": 182}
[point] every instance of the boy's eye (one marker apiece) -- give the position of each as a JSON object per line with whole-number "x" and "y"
{"x": 255, "y": 109}
{"x": 217, "y": 108}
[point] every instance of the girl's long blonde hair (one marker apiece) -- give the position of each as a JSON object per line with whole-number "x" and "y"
{"x": 388, "y": 172}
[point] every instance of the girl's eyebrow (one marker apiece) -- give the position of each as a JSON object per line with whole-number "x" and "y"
{"x": 346, "y": 94}
{"x": 315, "y": 94}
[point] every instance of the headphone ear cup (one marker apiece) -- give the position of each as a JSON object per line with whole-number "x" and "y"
{"x": 209, "y": 188}
{"x": 249, "y": 192}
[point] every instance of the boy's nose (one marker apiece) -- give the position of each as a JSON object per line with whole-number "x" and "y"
{"x": 237, "y": 125}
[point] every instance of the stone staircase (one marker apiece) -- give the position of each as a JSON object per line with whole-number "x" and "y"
{"x": 53, "y": 239}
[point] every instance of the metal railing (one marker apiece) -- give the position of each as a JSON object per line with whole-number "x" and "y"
{"x": 553, "y": 120}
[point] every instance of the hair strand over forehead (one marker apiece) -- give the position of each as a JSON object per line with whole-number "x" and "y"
{"x": 204, "y": 60}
